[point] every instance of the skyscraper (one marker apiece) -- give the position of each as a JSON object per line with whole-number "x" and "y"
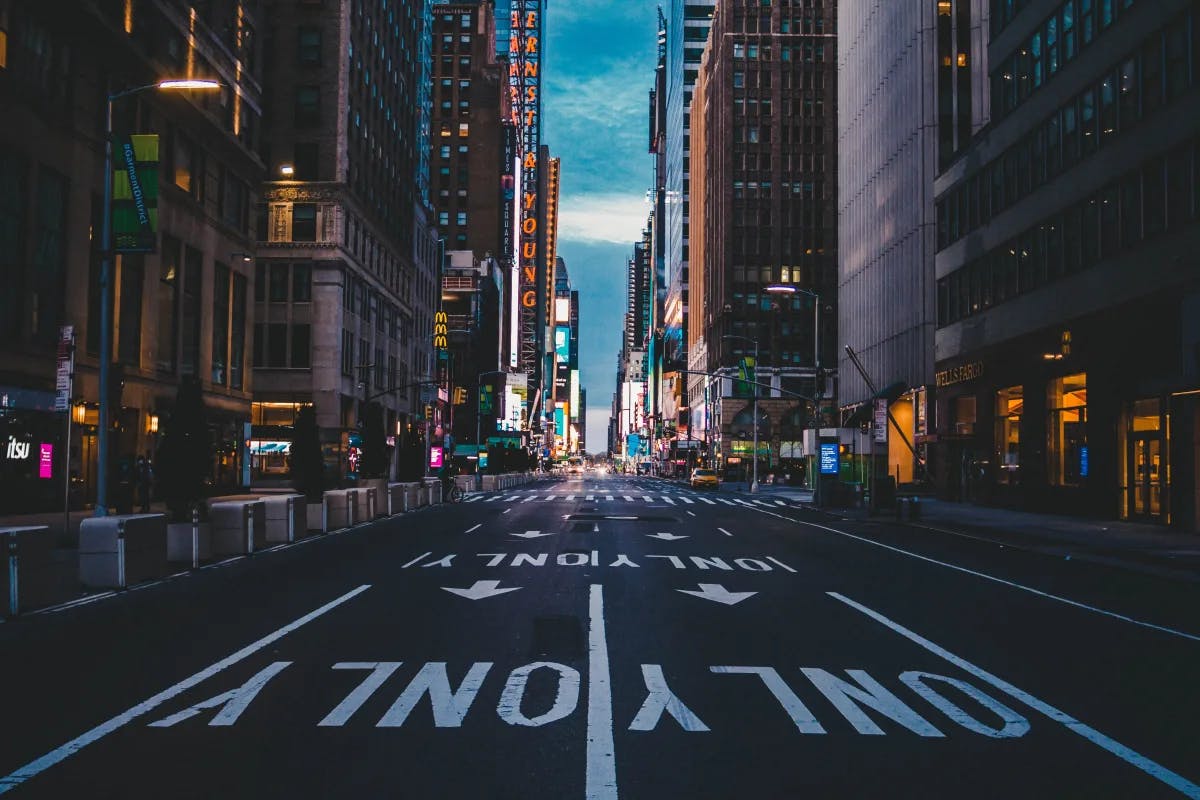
{"x": 764, "y": 158}
{"x": 346, "y": 254}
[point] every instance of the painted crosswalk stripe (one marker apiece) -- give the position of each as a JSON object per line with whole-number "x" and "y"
{"x": 548, "y": 497}
{"x": 591, "y": 497}
{"x": 628, "y": 499}
{"x": 531, "y": 497}
{"x": 710, "y": 502}
{"x": 726, "y": 502}
{"x": 493, "y": 498}
{"x": 780, "y": 503}
{"x": 473, "y": 498}
{"x": 686, "y": 500}
{"x": 648, "y": 498}
{"x": 570, "y": 497}
{"x": 668, "y": 500}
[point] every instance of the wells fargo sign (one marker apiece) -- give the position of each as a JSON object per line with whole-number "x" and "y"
{"x": 961, "y": 374}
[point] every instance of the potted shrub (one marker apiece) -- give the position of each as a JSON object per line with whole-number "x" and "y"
{"x": 374, "y": 466}
{"x": 184, "y": 462}
{"x": 306, "y": 465}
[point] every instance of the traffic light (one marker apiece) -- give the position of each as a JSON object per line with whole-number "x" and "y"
{"x": 485, "y": 399}
{"x": 460, "y": 395}
{"x": 822, "y": 380}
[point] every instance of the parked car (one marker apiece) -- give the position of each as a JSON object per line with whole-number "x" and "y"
{"x": 704, "y": 479}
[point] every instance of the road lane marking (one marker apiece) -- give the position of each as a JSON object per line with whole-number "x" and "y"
{"x": 601, "y": 782}
{"x": 668, "y": 500}
{"x": 780, "y": 563}
{"x": 380, "y": 672}
{"x": 505, "y": 511}
{"x": 691, "y": 513}
{"x": 660, "y": 698}
{"x": 1058, "y": 598}
{"x": 628, "y": 499}
{"x": 685, "y": 499}
{"x": 608, "y": 497}
{"x": 648, "y": 498}
{"x": 475, "y": 528}
{"x": 727, "y": 533}
{"x": 710, "y": 502}
{"x": 232, "y": 702}
{"x": 1129, "y": 756}
{"x": 527, "y": 499}
{"x": 415, "y": 560}
{"x": 549, "y": 497}
{"x": 40, "y": 765}
{"x": 591, "y": 497}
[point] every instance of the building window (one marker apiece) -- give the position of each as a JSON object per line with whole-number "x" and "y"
{"x": 301, "y": 346}
{"x": 167, "y": 337}
{"x": 189, "y": 167}
{"x": 304, "y": 223}
{"x": 1066, "y": 430}
{"x": 347, "y": 353}
{"x": 308, "y": 47}
{"x": 461, "y": 218}
{"x": 308, "y": 105}
{"x": 302, "y": 283}
{"x": 279, "y": 283}
{"x": 463, "y": 129}
{"x": 276, "y": 349}
{"x": 237, "y": 337}
{"x": 1010, "y": 404}
{"x": 129, "y": 327}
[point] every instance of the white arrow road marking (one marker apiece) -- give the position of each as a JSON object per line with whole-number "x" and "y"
{"x": 33, "y": 768}
{"x": 727, "y": 533}
{"x": 480, "y": 590}
{"x": 1126, "y": 754}
{"x": 717, "y": 592}
{"x": 666, "y": 537}
{"x": 532, "y": 534}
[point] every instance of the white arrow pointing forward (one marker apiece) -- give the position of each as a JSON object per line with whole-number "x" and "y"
{"x": 717, "y": 592}
{"x": 666, "y": 537}
{"x": 480, "y": 590}
{"x": 532, "y": 534}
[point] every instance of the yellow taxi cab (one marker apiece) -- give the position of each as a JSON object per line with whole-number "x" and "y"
{"x": 704, "y": 479}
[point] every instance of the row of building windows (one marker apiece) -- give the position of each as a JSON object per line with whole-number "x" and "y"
{"x": 1071, "y": 28}
{"x": 271, "y": 282}
{"x": 362, "y": 363}
{"x": 278, "y": 345}
{"x": 373, "y": 308}
{"x": 1137, "y": 86}
{"x": 1161, "y": 195}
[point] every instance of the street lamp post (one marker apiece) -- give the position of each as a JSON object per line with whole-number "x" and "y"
{"x": 106, "y": 269}
{"x": 754, "y": 477}
{"x": 789, "y": 289}
{"x": 479, "y": 403}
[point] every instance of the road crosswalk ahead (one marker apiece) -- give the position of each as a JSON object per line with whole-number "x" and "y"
{"x": 668, "y": 497}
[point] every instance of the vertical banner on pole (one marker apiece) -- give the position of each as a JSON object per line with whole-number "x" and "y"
{"x": 135, "y": 194}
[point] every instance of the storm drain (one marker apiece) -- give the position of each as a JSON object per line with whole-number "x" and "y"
{"x": 557, "y": 637}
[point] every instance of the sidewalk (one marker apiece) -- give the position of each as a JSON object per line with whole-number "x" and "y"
{"x": 1098, "y": 540}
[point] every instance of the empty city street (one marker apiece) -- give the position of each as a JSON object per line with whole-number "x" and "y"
{"x": 611, "y": 636}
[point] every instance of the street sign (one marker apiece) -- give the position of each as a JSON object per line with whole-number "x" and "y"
{"x": 64, "y": 379}
{"x": 829, "y": 458}
{"x": 881, "y": 420}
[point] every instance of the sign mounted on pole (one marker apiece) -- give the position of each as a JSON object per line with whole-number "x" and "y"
{"x": 64, "y": 379}
{"x": 135, "y": 194}
{"x": 524, "y": 87}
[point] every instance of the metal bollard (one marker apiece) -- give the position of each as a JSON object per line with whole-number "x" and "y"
{"x": 14, "y": 594}
{"x": 121, "y": 553}
{"x": 291, "y": 519}
{"x": 195, "y": 537}
{"x": 248, "y": 518}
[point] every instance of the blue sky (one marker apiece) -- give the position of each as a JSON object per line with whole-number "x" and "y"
{"x": 599, "y": 70}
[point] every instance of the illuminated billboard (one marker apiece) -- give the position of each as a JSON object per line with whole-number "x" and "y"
{"x": 562, "y": 344}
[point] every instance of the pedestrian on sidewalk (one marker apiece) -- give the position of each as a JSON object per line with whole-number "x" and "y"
{"x": 145, "y": 478}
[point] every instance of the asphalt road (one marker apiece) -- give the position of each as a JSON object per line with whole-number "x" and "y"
{"x": 613, "y": 637}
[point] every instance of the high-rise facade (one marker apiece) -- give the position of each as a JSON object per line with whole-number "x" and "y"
{"x": 888, "y": 139}
{"x": 763, "y": 242}
{"x": 1067, "y": 369}
{"x": 181, "y": 307}
{"x": 687, "y": 31}
{"x": 348, "y": 275}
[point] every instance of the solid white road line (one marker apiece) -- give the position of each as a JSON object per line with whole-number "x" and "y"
{"x": 40, "y": 765}
{"x": 993, "y": 578}
{"x": 477, "y": 527}
{"x": 1151, "y": 768}
{"x": 601, "y": 781}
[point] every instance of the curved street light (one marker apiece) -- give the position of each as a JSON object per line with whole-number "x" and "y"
{"x": 106, "y": 256}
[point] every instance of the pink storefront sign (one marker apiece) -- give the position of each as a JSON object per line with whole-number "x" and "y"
{"x": 46, "y": 461}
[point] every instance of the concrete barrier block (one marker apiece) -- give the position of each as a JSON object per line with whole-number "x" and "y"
{"x": 119, "y": 551}
{"x": 24, "y": 560}
{"x": 286, "y": 518}
{"x": 179, "y": 542}
{"x": 239, "y": 527}
{"x": 337, "y": 510}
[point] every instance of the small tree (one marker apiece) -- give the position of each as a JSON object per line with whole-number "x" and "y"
{"x": 307, "y": 465}
{"x": 185, "y": 455}
{"x": 374, "y": 455}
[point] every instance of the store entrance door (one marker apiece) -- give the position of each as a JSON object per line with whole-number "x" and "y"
{"x": 1146, "y": 469}
{"x": 1146, "y": 453}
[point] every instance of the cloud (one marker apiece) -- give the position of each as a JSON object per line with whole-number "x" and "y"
{"x": 613, "y": 218}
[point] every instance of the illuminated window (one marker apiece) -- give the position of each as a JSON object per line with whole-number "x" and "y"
{"x": 3, "y": 49}
{"x": 1066, "y": 430}
{"x": 1010, "y": 403}
{"x": 463, "y": 128}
